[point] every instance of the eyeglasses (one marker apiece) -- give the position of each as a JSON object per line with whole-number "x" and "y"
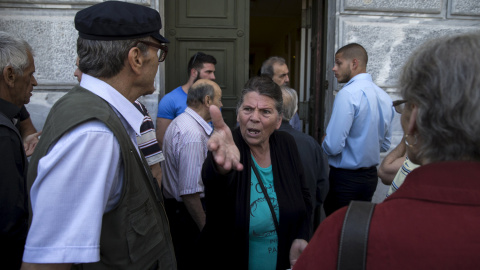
{"x": 162, "y": 49}
{"x": 399, "y": 105}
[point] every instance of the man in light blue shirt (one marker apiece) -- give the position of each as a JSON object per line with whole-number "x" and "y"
{"x": 359, "y": 129}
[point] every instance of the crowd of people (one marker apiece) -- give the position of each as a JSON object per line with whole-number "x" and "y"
{"x": 106, "y": 189}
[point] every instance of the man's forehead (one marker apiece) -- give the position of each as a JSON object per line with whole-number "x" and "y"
{"x": 339, "y": 56}
{"x": 278, "y": 67}
{"x": 208, "y": 66}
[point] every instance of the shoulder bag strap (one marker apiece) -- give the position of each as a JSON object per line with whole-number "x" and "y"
{"x": 352, "y": 251}
{"x": 264, "y": 190}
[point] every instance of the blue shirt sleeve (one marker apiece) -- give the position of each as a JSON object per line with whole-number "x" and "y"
{"x": 340, "y": 124}
{"x": 166, "y": 108}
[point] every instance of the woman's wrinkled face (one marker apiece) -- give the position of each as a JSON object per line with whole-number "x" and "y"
{"x": 258, "y": 118}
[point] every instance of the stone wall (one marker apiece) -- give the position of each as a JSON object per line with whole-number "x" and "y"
{"x": 390, "y": 31}
{"x": 48, "y": 26}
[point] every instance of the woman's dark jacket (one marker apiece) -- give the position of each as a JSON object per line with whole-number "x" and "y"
{"x": 225, "y": 238}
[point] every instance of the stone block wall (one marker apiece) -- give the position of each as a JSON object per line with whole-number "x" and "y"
{"x": 48, "y": 26}
{"x": 390, "y": 31}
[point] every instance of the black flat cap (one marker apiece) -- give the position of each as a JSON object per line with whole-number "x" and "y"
{"x": 115, "y": 20}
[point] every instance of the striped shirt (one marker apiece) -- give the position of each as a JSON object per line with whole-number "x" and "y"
{"x": 185, "y": 149}
{"x": 147, "y": 140}
{"x": 406, "y": 168}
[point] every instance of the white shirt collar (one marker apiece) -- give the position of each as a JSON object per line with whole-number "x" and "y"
{"x": 126, "y": 108}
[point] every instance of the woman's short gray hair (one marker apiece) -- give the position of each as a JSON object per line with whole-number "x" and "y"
{"x": 442, "y": 79}
{"x": 290, "y": 102}
{"x": 105, "y": 58}
{"x": 14, "y": 53}
{"x": 264, "y": 86}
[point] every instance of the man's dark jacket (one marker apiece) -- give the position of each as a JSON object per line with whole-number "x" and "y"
{"x": 315, "y": 168}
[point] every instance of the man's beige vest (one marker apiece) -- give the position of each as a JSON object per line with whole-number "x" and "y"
{"x": 135, "y": 234}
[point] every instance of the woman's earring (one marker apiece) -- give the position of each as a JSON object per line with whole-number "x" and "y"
{"x": 409, "y": 144}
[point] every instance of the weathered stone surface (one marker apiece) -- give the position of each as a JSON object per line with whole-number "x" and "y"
{"x": 390, "y": 42}
{"x": 404, "y": 6}
{"x": 465, "y": 7}
{"x": 53, "y": 39}
{"x": 40, "y": 104}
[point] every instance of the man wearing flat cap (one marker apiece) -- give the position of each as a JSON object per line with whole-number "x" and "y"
{"x": 95, "y": 203}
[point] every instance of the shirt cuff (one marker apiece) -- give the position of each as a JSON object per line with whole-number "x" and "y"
{"x": 61, "y": 254}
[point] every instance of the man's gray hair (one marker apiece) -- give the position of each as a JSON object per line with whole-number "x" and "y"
{"x": 290, "y": 102}
{"x": 105, "y": 58}
{"x": 442, "y": 79}
{"x": 14, "y": 53}
{"x": 267, "y": 66}
{"x": 197, "y": 93}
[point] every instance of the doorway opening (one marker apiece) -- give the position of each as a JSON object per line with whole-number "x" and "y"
{"x": 275, "y": 30}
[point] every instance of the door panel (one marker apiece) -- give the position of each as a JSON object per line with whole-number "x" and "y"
{"x": 215, "y": 27}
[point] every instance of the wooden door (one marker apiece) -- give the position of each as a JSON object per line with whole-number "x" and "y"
{"x": 319, "y": 84}
{"x": 216, "y": 27}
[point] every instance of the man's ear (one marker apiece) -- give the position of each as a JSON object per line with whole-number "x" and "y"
{"x": 135, "y": 60}
{"x": 9, "y": 76}
{"x": 193, "y": 73}
{"x": 207, "y": 100}
{"x": 354, "y": 63}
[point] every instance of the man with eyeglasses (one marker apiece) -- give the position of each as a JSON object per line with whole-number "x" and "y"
{"x": 359, "y": 129}
{"x": 396, "y": 165}
{"x": 93, "y": 197}
{"x": 200, "y": 66}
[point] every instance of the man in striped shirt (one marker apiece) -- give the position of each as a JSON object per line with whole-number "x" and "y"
{"x": 185, "y": 149}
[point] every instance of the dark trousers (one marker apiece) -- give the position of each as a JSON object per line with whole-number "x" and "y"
{"x": 184, "y": 233}
{"x": 347, "y": 185}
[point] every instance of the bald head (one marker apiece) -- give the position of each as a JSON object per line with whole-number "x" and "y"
{"x": 354, "y": 51}
{"x": 204, "y": 92}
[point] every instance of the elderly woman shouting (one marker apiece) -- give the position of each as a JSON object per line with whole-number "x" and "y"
{"x": 431, "y": 221}
{"x": 257, "y": 203}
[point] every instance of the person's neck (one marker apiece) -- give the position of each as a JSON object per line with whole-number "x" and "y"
{"x": 187, "y": 85}
{"x": 261, "y": 154}
{"x": 6, "y": 96}
{"x": 203, "y": 111}
{"x": 124, "y": 86}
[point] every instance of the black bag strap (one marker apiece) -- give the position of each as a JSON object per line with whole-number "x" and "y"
{"x": 352, "y": 251}
{"x": 264, "y": 190}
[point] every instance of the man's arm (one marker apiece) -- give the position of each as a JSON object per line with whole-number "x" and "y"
{"x": 93, "y": 180}
{"x": 157, "y": 173}
{"x": 339, "y": 125}
{"x": 29, "y": 135}
{"x": 162, "y": 125}
{"x": 194, "y": 206}
{"x": 10, "y": 175}
{"x": 392, "y": 163}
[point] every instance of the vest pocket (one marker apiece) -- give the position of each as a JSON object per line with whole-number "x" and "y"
{"x": 144, "y": 233}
